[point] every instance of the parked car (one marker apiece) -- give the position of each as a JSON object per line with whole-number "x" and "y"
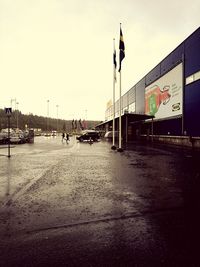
{"x": 15, "y": 139}
{"x": 88, "y": 135}
{"x": 3, "y": 138}
{"x": 109, "y": 135}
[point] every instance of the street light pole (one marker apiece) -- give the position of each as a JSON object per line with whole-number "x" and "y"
{"x": 17, "y": 103}
{"x": 47, "y": 115}
{"x": 86, "y": 126}
{"x": 57, "y": 106}
{"x": 8, "y": 136}
{"x": 8, "y": 112}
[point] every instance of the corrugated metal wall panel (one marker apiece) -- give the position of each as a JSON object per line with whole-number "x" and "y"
{"x": 153, "y": 75}
{"x": 192, "y": 91}
{"x": 117, "y": 106}
{"x": 192, "y": 54}
{"x": 125, "y": 100}
{"x": 140, "y": 99}
{"x": 192, "y": 108}
{"x": 131, "y": 95}
{"x": 172, "y": 59}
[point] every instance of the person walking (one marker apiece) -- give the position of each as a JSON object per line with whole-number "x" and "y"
{"x": 67, "y": 138}
{"x": 63, "y": 136}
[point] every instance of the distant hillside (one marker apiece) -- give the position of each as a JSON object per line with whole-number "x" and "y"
{"x": 43, "y": 123}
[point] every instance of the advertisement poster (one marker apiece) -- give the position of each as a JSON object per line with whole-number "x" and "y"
{"x": 163, "y": 98}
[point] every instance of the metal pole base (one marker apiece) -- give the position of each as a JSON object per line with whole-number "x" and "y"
{"x": 113, "y": 147}
{"x": 120, "y": 149}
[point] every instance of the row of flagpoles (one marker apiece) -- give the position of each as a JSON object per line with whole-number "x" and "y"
{"x": 121, "y": 57}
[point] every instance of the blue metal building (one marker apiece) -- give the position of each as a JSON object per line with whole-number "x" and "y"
{"x": 187, "y": 53}
{"x": 170, "y": 92}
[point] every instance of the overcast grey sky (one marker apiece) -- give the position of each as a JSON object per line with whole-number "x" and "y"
{"x": 61, "y": 50}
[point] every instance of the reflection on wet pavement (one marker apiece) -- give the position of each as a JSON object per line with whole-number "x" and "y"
{"x": 52, "y": 186}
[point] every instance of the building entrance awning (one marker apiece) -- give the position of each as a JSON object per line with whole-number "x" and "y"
{"x": 132, "y": 118}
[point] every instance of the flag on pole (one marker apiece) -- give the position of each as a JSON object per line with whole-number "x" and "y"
{"x": 115, "y": 63}
{"x": 121, "y": 49}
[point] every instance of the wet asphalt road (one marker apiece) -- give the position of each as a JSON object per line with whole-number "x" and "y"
{"x": 78, "y": 204}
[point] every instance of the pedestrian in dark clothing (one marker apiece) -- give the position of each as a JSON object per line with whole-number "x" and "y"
{"x": 63, "y": 136}
{"x": 67, "y": 138}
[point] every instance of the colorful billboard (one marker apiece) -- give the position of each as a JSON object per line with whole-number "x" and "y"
{"x": 163, "y": 98}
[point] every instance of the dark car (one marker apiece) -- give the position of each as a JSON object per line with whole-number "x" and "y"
{"x": 89, "y": 135}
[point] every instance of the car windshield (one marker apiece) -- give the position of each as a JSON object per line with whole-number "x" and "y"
{"x": 89, "y": 132}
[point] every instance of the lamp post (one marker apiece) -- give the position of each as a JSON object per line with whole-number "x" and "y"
{"x": 8, "y": 136}
{"x": 8, "y": 112}
{"x": 57, "y": 106}
{"x": 17, "y": 115}
{"x": 47, "y": 115}
{"x": 86, "y": 126}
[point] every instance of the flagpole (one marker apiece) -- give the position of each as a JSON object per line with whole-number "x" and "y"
{"x": 114, "y": 80}
{"x": 121, "y": 57}
{"x": 120, "y": 117}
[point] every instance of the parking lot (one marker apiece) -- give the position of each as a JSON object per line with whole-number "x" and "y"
{"x": 81, "y": 204}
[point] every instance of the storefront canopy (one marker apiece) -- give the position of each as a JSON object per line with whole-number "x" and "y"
{"x": 132, "y": 117}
